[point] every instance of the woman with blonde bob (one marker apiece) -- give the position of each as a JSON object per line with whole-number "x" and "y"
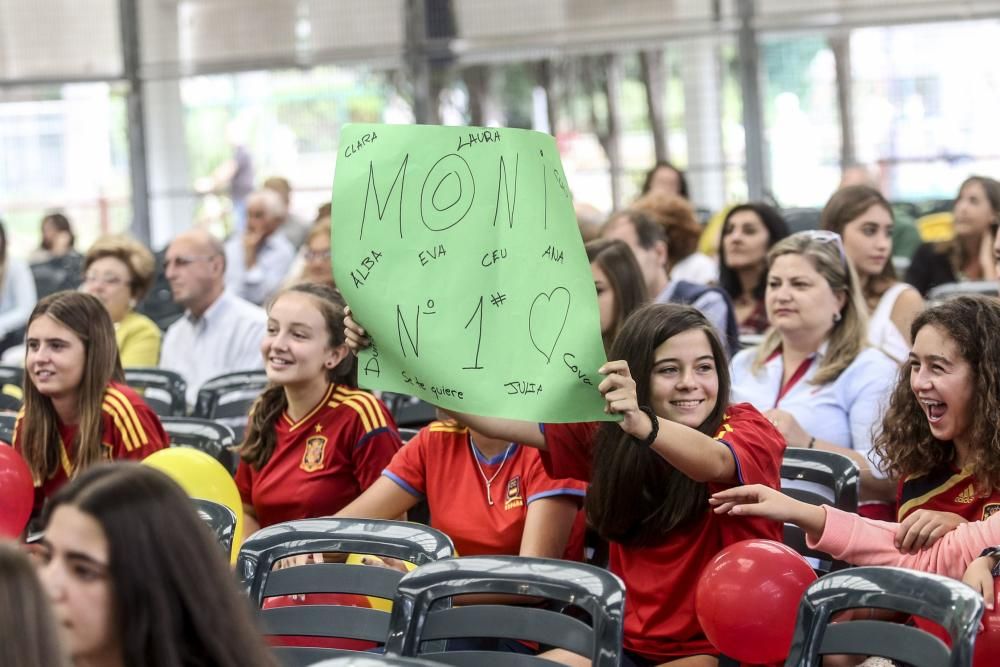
{"x": 814, "y": 375}
{"x": 119, "y": 271}
{"x": 28, "y": 635}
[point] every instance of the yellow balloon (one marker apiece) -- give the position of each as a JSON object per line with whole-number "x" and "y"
{"x": 377, "y": 603}
{"x": 201, "y": 476}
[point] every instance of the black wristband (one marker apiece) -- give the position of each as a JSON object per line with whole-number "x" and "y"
{"x": 995, "y": 552}
{"x": 655, "y": 422}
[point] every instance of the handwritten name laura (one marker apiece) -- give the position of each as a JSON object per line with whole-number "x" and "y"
{"x": 473, "y": 138}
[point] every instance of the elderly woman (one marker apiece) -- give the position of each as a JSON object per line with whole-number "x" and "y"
{"x": 814, "y": 375}
{"x": 119, "y": 270}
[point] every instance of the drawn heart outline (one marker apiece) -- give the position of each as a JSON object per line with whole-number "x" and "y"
{"x": 547, "y": 319}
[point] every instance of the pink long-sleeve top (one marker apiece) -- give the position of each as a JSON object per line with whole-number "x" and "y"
{"x": 862, "y": 541}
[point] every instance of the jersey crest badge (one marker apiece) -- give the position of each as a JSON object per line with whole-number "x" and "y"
{"x": 990, "y": 510}
{"x": 968, "y": 496}
{"x": 312, "y": 458}
{"x": 513, "y": 497}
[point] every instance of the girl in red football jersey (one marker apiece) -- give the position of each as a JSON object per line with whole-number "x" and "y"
{"x": 651, "y": 474}
{"x": 77, "y": 410}
{"x": 314, "y": 441}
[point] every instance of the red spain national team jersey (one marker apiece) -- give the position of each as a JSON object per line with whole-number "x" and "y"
{"x": 323, "y": 461}
{"x": 660, "y": 580}
{"x": 440, "y": 463}
{"x": 129, "y": 430}
{"x": 946, "y": 490}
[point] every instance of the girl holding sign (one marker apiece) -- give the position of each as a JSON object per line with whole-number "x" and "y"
{"x": 651, "y": 474}
{"x": 314, "y": 442}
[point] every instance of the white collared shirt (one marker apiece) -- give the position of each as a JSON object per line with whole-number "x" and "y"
{"x": 845, "y": 412}
{"x": 225, "y": 339}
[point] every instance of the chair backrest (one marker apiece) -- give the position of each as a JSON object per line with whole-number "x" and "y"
{"x": 227, "y": 398}
{"x": 823, "y": 478}
{"x": 418, "y": 616}
{"x": 13, "y": 375}
{"x": 950, "y": 290}
{"x": 409, "y": 410}
{"x": 216, "y": 440}
{"x": 818, "y": 477}
{"x": 396, "y": 539}
{"x": 57, "y": 274}
{"x": 7, "y": 422}
{"x": 220, "y": 519}
{"x": 949, "y": 603}
{"x": 164, "y": 391}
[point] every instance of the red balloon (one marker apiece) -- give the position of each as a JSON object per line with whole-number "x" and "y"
{"x": 987, "y": 652}
{"x": 748, "y": 597}
{"x": 17, "y": 493}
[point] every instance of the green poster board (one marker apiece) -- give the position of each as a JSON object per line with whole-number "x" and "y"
{"x": 458, "y": 250}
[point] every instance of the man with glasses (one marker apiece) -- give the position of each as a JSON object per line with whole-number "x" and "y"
{"x": 219, "y": 332}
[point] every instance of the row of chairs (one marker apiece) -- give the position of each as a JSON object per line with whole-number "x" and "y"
{"x": 583, "y": 610}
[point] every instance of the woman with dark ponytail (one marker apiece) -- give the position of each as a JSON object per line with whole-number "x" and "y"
{"x": 314, "y": 441}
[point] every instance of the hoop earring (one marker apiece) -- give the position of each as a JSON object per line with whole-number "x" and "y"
{"x": 837, "y": 317}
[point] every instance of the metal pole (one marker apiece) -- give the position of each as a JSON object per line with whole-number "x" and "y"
{"x": 129, "y": 23}
{"x": 418, "y": 61}
{"x": 753, "y": 124}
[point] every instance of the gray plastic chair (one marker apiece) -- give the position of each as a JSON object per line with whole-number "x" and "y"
{"x": 949, "y": 603}
{"x": 7, "y": 422}
{"x": 215, "y": 439}
{"x": 418, "y": 615}
{"x": 220, "y": 519}
{"x": 832, "y": 479}
{"x": 227, "y": 398}
{"x": 396, "y": 539}
{"x": 164, "y": 391}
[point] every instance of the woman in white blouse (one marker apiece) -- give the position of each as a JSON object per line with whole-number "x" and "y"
{"x": 863, "y": 218}
{"x": 814, "y": 374}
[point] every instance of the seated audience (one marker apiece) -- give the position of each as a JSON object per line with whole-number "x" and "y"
{"x": 119, "y": 271}
{"x": 314, "y": 442}
{"x": 864, "y": 220}
{"x": 137, "y": 578}
{"x": 258, "y": 258}
{"x": 294, "y": 228}
{"x": 28, "y": 634}
{"x": 748, "y": 232}
{"x": 968, "y": 256}
{"x": 17, "y": 295}
{"x": 677, "y": 217}
{"x": 77, "y": 410}
{"x": 813, "y": 374}
{"x": 219, "y": 332}
{"x": 619, "y": 284}
{"x": 57, "y": 239}
{"x": 648, "y": 241}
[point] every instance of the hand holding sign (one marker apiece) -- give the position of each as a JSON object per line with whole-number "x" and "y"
{"x": 458, "y": 249}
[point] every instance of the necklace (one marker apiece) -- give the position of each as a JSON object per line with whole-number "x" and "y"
{"x": 488, "y": 481}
